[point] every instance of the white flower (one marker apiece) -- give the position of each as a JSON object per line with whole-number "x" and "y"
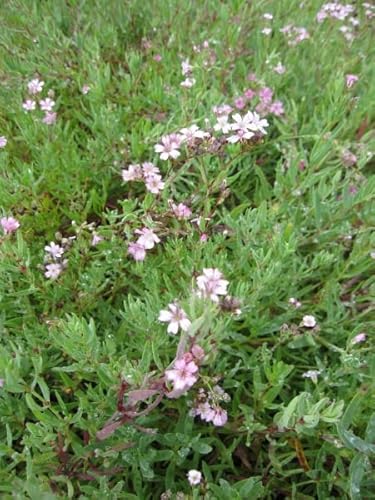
{"x": 312, "y": 374}
{"x": 29, "y": 105}
{"x": 169, "y": 147}
{"x": 186, "y": 68}
{"x": 154, "y": 183}
{"x": 193, "y": 132}
{"x": 47, "y": 104}
{"x": 211, "y": 284}
{"x": 309, "y": 321}
{"x": 176, "y": 317}
{"x": 147, "y": 238}
{"x": 53, "y": 271}
{"x": 55, "y": 250}
{"x": 133, "y": 173}
{"x": 194, "y": 477}
{"x": 222, "y": 124}
{"x": 35, "y": 86}
{"x": 188, "y": 83}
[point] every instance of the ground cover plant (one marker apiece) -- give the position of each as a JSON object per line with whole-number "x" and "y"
{"x": 186, "y": 255}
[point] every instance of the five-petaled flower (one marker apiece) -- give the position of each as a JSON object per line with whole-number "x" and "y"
{"x": 169, "y": 147}
{"x": 211, "y": 284}
{"x": 194, "y": 477}
{"x": 147, "y": 238}
{"x": 9, "y": 224}
{"x": 183, "y": 375}
{"x": 176, "y": 317}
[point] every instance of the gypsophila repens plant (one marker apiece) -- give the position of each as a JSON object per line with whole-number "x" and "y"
{"x": 187, "y": 250}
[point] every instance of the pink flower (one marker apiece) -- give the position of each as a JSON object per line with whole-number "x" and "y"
{"x": 56, "y": 251}
{"x": 85, "y": 89}
{"x": 183, "y": 376}
{"x": 348, "y": 158}
{"x": 361, "y": 337}
{"x": 249, "y": 93}
{"x": 154, "y": 183}
{"x": 194, "y": 477}
{"x": 186, "y": 68}
{"x": 35, "y": 86}
{"x": 29, "y": 105}
{"x": 3, "y": 141}
{"x": 95, "y": 239}
{"x": 49, "y": 118}
{"x": 193, "y": 132}
{"x": 176, "y": 317}
{"x": 203, "y": 237}
{"x": 169, "y": 147}
{"x": 224, "y": 109}
{"x": 309, "y": 321}
{"x": 277, "y": 108}
{"x": 149, "y": 168}
{"x": 279, "y": 68}
{"x": 9, "y": 224}
{"x": 147, "y": 238}
{"x": 137, "y": 251}
{"x": 265, "y": 94}
{"x": 220, "y": 417}
{"x": 211, "y": 284}
{"x": 133, "y": 173}
{"x": 47, "y": 104}
{"x": 351, "y": 80}
{"x": 240, "y": 103}
{"x": 181, "y": 211}
{"x": 204, "y": 411}
{"x": 157, "y": 57}
{"x": 197, "y": 352}
{"x": 53, "y": 271}
{"x": 188, "y": 83}
{"x": 252, "y": 77}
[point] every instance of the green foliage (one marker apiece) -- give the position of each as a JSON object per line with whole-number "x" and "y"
{"x": 276, "y": 228}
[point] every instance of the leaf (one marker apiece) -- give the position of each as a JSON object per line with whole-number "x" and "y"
{"x": 357, "y": 470}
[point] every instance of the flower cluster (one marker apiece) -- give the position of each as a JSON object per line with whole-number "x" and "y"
{"x": 262, "y": 97}
{"x": 169, "y": 146}
{"x": 207, "y": 407}
{"x": 369, "y": 10}
{"x": 47, "y": 104}
{"x": 9, "y": 224}
{"x": 334, "y": 10}
{"x": 146, "y": 241}
{"x": 148, "y": 173}
{"x": 295, "y": 34}
{"x": 54, "y": 261}
{"x": 186, "y": 70}
{"x": 267, "y": 30}
{"x": 340, "y": 12}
